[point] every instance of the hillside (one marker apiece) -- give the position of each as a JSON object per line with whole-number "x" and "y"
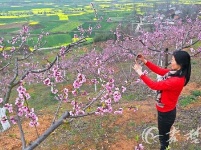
{"x": 112, "y": 132}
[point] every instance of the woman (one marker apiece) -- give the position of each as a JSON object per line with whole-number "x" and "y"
{"x": 168, "y": 89}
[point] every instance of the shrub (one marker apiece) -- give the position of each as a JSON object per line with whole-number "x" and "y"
{"x": 103, "y": 37}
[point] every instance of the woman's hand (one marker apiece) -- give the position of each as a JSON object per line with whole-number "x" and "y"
{"x": 138, "y": 69}
{"x": 141, "y": 58}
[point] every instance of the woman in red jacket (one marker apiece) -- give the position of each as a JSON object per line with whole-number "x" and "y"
{"x": 168, "y": 89}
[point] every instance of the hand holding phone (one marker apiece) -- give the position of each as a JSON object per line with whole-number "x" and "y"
{"x": 141, "y": 58}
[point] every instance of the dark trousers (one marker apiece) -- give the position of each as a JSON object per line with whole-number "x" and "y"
{"x": 165, "y": 122}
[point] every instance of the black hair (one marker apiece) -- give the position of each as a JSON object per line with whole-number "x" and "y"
{"x": 183, "y": 59}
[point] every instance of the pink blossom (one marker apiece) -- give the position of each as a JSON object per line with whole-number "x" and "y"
{"x": 145, "y": 72}
{"x": 106, "y": 96}
{"x": 108, "y": 101}
{"x": 94, "y": 81}
{"x": 99, "y": 111}
{"x": 111, "y": 80}
{"x": 19, "y": 102}
{"x": 116, "y": 96}
{"x": 65, "y": 91}
{"x": 76, "y": 109}
{"x": 84, "y": 93}
{"x": 98, "y": 62}
{"x": 25, "y": 29}
{"x": 81, "y": 78}
{"x": 111, "y": 71}
{"x": 12, "y": 119}
{"x": 109, "y": 20}
{"x": 47, "y": 82}
{"x": 71, "y": 113}
{"x": 59, "y": 79}
{"x": 80, "y": 112}
{"x": 120, "y": 111}
{"x": 54, "y": 91}
{"x": 33, "y": 123}
{"x": 1, "y": 40}
{"x": 138, "y": 80}
{"x": 14, "y": 39}
{"x": 98, "y": 26}
{"x": 20, "y": 111}
{"x": 123, "y": 89}
{"x": 26, "y": 109}
{"x": 74, "y": 92}
{"x": 199, "y": 36}
{"x": 9, "y": 107}
{"x": 77, "y": 84}
{"x": 192, "y": 50}
{"x": 4, "y": 54}
{"x": 22, "y": 94}
{"x": 27, "y": 95}
{"x": 21, "y": 89}
{"x": 57, "y": 74}
{"x": 1, "y": 100}
{"x": 135, "y": 109}
{"x": 139, "y": 147}
{"x": 62, "y": 50}
{"x": 109, "y": 86}
{"x": 34, "y": 119}
{"x": 12, "y": 48}
{"x": 23, "y": 39}
{"x": 108, "y": 109}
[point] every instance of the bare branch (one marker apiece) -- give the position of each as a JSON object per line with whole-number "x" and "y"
{"x": 5, "y": 66}
{"x": 21, "y": 132}
{"x": 48, "y": 131}
{"x": 190, "y": 44}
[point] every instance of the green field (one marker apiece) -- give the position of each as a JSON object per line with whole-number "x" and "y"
{"x": 62, "y": 18}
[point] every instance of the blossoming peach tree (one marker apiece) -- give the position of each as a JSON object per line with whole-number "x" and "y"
{"x": 19, "y": 67}
{"x": 109, "y": 71}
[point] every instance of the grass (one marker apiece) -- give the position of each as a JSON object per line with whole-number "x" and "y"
{"x": 66, "y": 27}
{"x": 58, "y": 40}
{"x": 96, "y": 131}
{"x": 129, "y": 96}
{"x": 8, "y": 31}
{"x": 52, "y": 40}
{"x": 190, "y": 98}
{"x": 41, "y": 100}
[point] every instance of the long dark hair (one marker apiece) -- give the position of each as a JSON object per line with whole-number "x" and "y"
{"x": 184, "y": 60}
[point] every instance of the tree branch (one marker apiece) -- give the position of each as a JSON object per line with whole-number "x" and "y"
{"x": 48, "y": 132}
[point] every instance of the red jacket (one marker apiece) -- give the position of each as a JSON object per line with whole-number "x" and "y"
{"x": 171, "y": 87}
